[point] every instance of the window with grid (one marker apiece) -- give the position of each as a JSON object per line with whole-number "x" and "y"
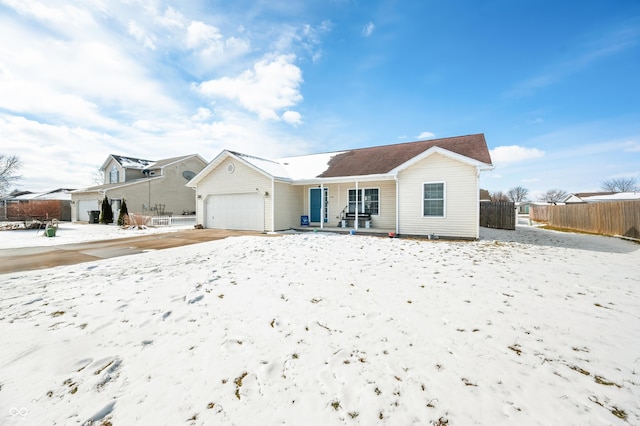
{"x": 433, "y": 199}
{"x": 367, "y": 199}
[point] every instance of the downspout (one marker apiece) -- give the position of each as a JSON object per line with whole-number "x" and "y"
{"x": 477, "y": 203}
{"x": 355, "y": 222}
{"x": 397, "y": 205}
{"x": 321, "y": 205}
{"x": 273, "y": 204}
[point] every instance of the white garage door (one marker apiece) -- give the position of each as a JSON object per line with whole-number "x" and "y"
{"x": 83, "y": 208}
{"x": 235, "y": 211}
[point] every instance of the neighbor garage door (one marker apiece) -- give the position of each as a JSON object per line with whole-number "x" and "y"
{"x": 84, "y": 206}
{"x": 235, "y": 211}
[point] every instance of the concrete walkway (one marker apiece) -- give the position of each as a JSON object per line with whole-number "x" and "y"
{"x": 31, "y": 258}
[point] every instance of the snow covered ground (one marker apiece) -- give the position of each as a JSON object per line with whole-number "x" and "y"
{"x": 69, "y": 233}
{"x": 527, "y": 327}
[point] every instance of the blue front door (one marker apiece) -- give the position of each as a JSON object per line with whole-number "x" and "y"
{"x": 315, "y": 205}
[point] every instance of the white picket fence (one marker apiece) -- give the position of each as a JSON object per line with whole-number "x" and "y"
{"x": 173, "y": 220}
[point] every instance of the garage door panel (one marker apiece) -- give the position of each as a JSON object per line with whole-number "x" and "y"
{"x": 84, "y": 206}
{"x": 235, "y": 211}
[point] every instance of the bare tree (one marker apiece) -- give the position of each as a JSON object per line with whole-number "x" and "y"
{"x": 620, "y": 185}
{"x": 517, "y": 194}
{"x": 554, "y": 196}
{"x": 98, "y": 176}
{"x": 9, "y": 165}
{"x": 499, "y": 196}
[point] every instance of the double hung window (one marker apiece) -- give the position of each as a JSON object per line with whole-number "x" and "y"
{"x": 366, "y": 199}
{"x": 433, "y": 199}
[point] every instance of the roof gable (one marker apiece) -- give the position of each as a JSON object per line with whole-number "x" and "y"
{"x": 384, "y": 159}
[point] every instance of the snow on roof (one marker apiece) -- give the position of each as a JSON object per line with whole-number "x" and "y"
{"x": 58, "y": 194}
{"x": 620, "y": 196}
{"x": 133, "y": 163}
{"x": 272, "y": 167}
{"x": 295, "y": 168}
{"x": 307, "y": 166}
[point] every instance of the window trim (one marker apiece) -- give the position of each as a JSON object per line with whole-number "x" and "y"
{"x": 362, "y": 189}
{"x": 114, "y": 172}
{"x": 444, "y": 199}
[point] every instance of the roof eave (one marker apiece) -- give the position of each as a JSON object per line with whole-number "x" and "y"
{"x": 345, "y": 179}
{"x": 193, "y": 183}
{"x": 445, "y": 152}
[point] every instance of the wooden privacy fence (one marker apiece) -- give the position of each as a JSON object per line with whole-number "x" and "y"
{"x": 608, "y": 218}
{"x": 499, "y": 215}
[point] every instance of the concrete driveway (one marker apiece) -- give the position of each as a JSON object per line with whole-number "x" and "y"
{"x": 30, "y": 258}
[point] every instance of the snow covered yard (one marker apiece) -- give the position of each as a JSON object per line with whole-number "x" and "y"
{"x": 526, "y": 327}
{"x": 69, "y": 233}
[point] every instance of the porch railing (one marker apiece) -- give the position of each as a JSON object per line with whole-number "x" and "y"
{"x": 173, "y": 220}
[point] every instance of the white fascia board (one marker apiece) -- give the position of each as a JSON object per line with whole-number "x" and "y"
{"x": 446, "y": 153}
{"x": 193, "y": 183}
{"x": 344, "y": 179}
{"x": 109, "y": 158}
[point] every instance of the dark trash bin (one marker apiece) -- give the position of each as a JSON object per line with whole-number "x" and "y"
{"x": 94, "y": 216}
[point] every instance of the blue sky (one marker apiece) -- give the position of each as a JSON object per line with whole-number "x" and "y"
{"x": 554, "y": 86}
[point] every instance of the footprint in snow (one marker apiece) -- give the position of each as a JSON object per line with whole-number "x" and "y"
{"x": 196, "y": 299}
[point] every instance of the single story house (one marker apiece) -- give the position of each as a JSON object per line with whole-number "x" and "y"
{"x": 27, "y": 205}
{"x": 613, "y": 197}
{"x": 427, "y": 187}
{"x": 579, "y": 197}
{"x": 154, "y": 188}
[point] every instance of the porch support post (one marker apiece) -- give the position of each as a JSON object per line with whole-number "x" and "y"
{"x": 273, "y": 205}
{"x": 355, "y": 222}
{"x": 395, "y": 178}
{"x": 321, "y": 205}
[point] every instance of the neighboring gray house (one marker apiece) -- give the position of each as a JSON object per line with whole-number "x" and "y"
{"x": 149, "y": 187}
{"x": 416, "y": 188}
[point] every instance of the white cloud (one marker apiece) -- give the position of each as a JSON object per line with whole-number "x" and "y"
{"x": 292, "y": 117}
{"x": 632, "y": 146}
{"x": 270, "y": 86}
{"x": 368, "y": 29}
{"x": 141, "y": 37}
{"x": 200, "y": 34}
{"x": 425, "y": 135}
{"x": 171, "y": 18}
{"x": 88, "y": 80}
{"x": 80, "y": 81}
{"x": 514, "y": 154}
{"x": 202, "y": 114}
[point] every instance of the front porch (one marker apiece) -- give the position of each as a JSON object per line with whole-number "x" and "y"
{"x": 315, "y": 227}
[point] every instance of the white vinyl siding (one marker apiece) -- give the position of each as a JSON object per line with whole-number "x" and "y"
{"x": 288, "y": 208}
{"x": 461, "y": 198}
{"x": 113, "y": 175}
{"x": 243, "y": 179}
